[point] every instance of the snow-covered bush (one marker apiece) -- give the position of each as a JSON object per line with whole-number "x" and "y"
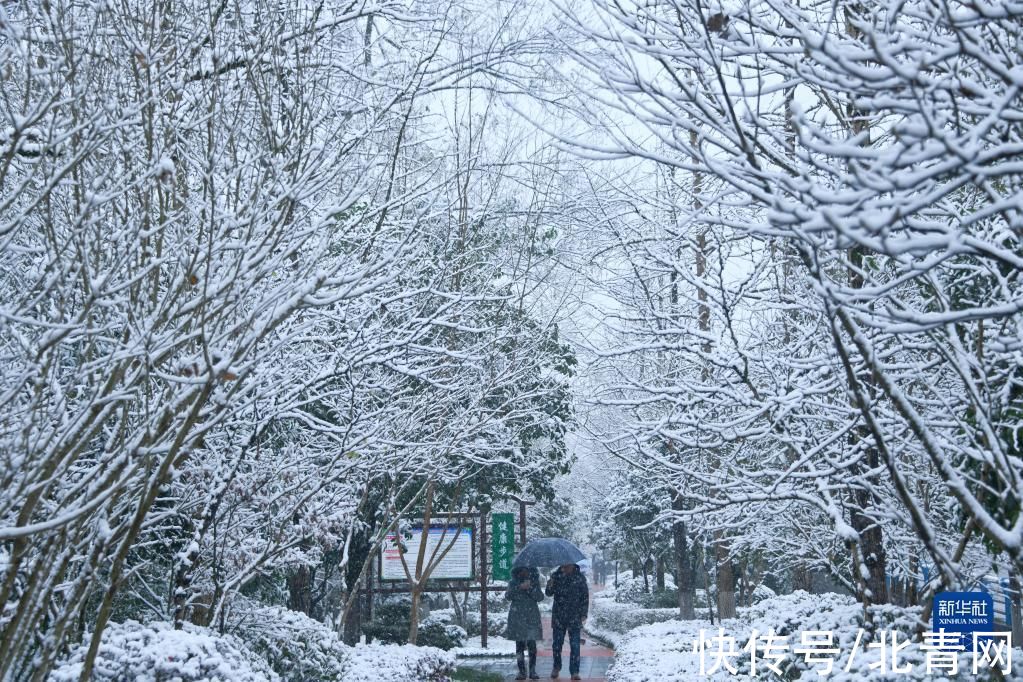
{"x": 156, "y": 652}
{"x": 799, "y": 612}
{"x": 762, "y": 592}
{"x": 497, "y": 613}
{"x": 437, "y": 632}
{"x": 497, "y": 622}
{"x": 610, "y": 619}
{"x": 668, "y": 598}
{"x": 665, "y": 651}
{"x": 661, "y": 651}
{"x": 606, "y": 614}
{"x": 391, "y": 619}
{"x": 295, "y": 646}
{"x": 804, "y": 611}
{"x": 470, "y": 603}
{"x": 398, "y": 663}
{"x": 302, "y": 649}
{"x": 615, "y": 611}
{"x": 629, "y": 589}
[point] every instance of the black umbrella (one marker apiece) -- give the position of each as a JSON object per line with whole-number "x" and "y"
{"x": 548, "y": 552}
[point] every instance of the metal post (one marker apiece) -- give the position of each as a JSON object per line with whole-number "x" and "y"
{"x": 522, "y": 518}
{"x": 369, "y": 601}
{"x": 522, "y": 523}
{"x": 1014, "y": 611}
{"x": 483, "y": 578}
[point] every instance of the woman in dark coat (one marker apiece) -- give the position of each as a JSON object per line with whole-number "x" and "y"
{"x": 524, "y": 625}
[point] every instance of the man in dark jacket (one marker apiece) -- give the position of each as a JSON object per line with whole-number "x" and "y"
{"x": 571, "y": 606}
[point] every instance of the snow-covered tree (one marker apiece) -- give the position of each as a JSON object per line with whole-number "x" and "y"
{"x": 232, "y": 314}
{"x": 862, "y": 158}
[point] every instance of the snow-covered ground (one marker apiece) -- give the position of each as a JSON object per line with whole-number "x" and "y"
{"x": 292, "y": 647}
{"x": 613, "y": 613}
{"x": 667, "y": 651}
{"x": 401, "y": 663}
{"x": 496, "y": 647}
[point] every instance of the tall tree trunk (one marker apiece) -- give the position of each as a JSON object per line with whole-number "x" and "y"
{"x": 725, "y": 578}
{"x": 1014, "y": 608}
{"x": 456, "y": 606}
{"x": 724, "y": 572}
{"x": 352, "y": 625}
{"x": 421, "y": 570}
{"x": 300, "y": 590}
{"x": 685, "y": 569}
{"x": 358, "y": 554}
{"x": 706, "y": 590}
{"x": 801, "y": 577}
{"x": 871, "y": 546}
{"x": 413, "y": 628}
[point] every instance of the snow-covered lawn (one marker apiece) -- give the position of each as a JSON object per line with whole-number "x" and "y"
{"x": 496, "y": 647}
{"x": 661, "y": 651}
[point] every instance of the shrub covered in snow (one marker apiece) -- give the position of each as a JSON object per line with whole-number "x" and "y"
{"x": 497, "y": 612}
{"x": 619, "y": 618}
{"x": 611, "y": 615}
{"x": 661, "y": 652}
{"x": 665, "y": 651}
{"x": 762, "y": 592}
{"x": 302, "y": 649}
{"x": 659, "y": 599}
{"x": 156, "y": 652}
{"x": 394, "y": 663}
{"x": 436, "y": 631}
{"x": 295, "y": 646}
{"x": 391, "y": 618}
{"x": 800, "y": 612}
{"x": 439, "y": 627}
{"x": 668, "y": 598}
{"x": 269, "y": 643}
{"x": 497, "y": 622}
{"x": 630, "y": 589}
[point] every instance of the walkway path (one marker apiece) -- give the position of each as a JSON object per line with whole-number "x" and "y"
{"x": 593, "y": 664}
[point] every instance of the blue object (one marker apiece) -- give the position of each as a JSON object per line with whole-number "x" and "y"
{"x": 963, "y": 612}
{"x": 1007, "y": 598}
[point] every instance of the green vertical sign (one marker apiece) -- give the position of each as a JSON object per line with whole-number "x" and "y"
{"x": 503, "y": 544}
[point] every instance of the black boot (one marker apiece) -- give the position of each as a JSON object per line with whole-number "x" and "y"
{"x": 522, "y": 667}
{"x": 532, "y": 666}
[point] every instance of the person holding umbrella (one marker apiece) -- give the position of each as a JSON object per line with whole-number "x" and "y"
{"x": 524, "y": 626}
{"x": 568, "y": 587}
{"x": 571, "y": 607}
